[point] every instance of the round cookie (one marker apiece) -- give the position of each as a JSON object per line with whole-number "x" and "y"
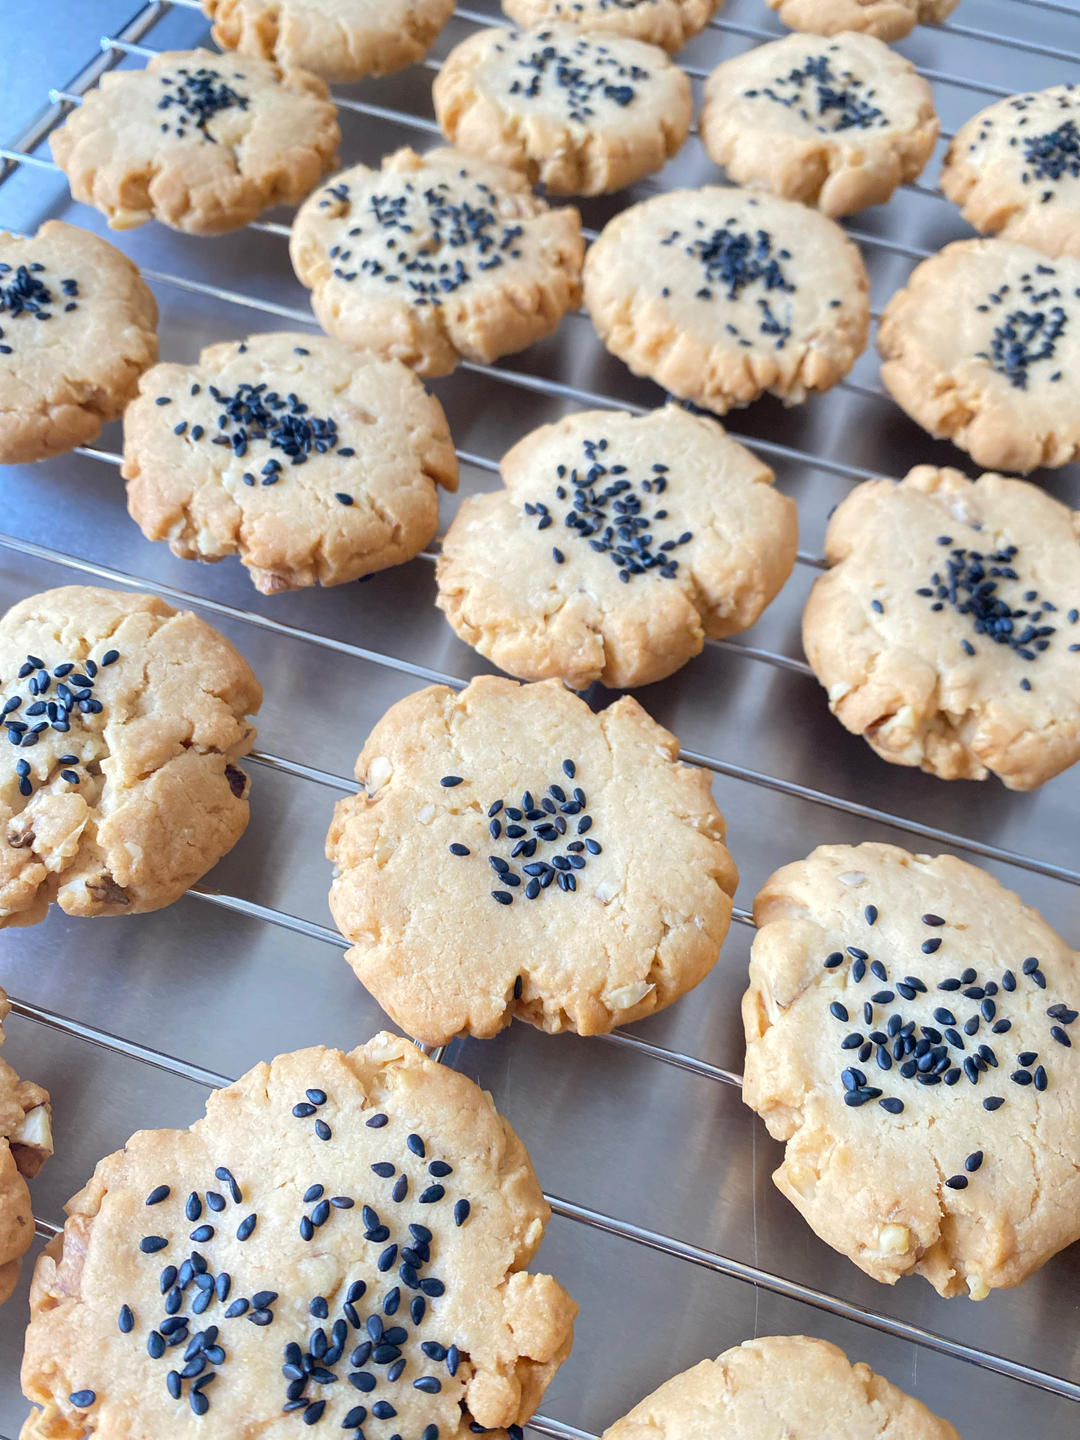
{"x": 576, "y": 113}
{"x": 616, "y": 546}
{"x": 837, "y": 123}
{"x": 1014, "y": 170}
{"x": 119, "y": 786}
{"x": 282, "y": 449}
{"x": 780, "y": 1387}
{"x": 720, "y": 295}
{"x": 909, "y": 1029}
{"x": 365, "y": 1217}
{"x": 670, "y": 23}
{"x": 887, "y": 19}
{"x": 77, "y": 327}
{"x": 958, "y": 651}
{"x": 983, "y": 348}
{"x": 513, "y": 853}
{"x": 337, "y": 39}
{"x": 435, "y": 258}
{"x": 200, "y": 141}
{"x": 25, "y": 1145}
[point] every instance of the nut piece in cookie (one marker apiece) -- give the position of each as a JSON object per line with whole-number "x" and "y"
{"x": 1014, "y": 170}
{"x": 435, "y": 258}
{"x": 909, "y": 1029}
{"x": 837, "y": 123}
{"x": 200, "y": 141}
{"x": 120, "y": 783}
{"x": 365, "y": 1218}
{"x": 959, "y": 650}
{"x": 720, "y": 295}
{"x": 578, "y": 114}
{"x": 807, "y": 1390}
{"x": 513, "y": 853}
{"x": 282, "y": 448}
{"x": 670, "y": 23}
{"x": 982, "y": 348}
{"x": 887, "y": 19}
{"x": 77, "y": 327}
{"x": 617, "y": 545}
{"x": 339, "y": 40}
{"x": 25, "y": 1145}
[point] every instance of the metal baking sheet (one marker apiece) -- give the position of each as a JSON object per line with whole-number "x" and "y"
{"x": 667, "y": 1229}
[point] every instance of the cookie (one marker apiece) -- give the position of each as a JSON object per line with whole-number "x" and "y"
{"x": 200, "y": 141}
{"x": 282, "y": 449}
{"x": 780, "y": 1387}
{"x": 25, "y": 1145}
{"x": 617, "y": 545}
{"x": 365, "y": 1217}
{"x": 958, "y": 651}
{"x": 670, "y": 23}
{"x": 575, "y": 113}
{"x": 837, "y": 123}
{"x": 513, "y": 853}
{"x": 436, "y": 258}
{"x": 887, "y": 19}
{"x": 720, "y": 295}
{"x": 983, "y": 348}
{"x": 120, "y": 785}
{"x": 337, "y": 39}
{"x": 77, "y": 327}
{"x": 1014, "y": 170}
{"x": 909, "y": 1028}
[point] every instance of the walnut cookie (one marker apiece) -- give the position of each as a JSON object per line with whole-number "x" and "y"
{"x": 120, "y": 786}
{"x": 436, "y": 258}
{"x": 909, "y": 1030}
{"x": 200, "y": 141}
{"x": 25, "y": 1145}
{"x": 887, "y": 19}
{"x": 617, "y": 545}
{"x": 513, "y": 853}
{"x": 669, "y": 23}
{"x": 77, "y": 327}
{"x": 328, "y": 471}
{"x": 367, "y": 1216}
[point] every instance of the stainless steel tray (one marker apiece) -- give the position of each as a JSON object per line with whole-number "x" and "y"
{"x": 667, "y": 1229}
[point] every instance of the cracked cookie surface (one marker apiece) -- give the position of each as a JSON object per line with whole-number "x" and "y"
{"x": 338, "y": 40}
{"x": 887, "y": 19}
{"x": 780, "y": 1387}
{"x": 617, "y": 545}
{"x": 200, "y": 141}
{"x": 77, "y": 327}
{"x": 25, "y": 1145}
{"x": 670, "y": 23}
{"x": 577, "y": 114}
{"x": 125, "y": 722}
{"x": 947, "y": 632}
{"x": 365, "y": 1217}
{"x": 435, "y": 258}
{"x": 282, "y": 449}
{"x": 513, "y": 853}
{"x": 910, "y": 1028}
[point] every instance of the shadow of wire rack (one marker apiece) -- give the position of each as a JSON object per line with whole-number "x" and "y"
{"x": 667, "y": 1229}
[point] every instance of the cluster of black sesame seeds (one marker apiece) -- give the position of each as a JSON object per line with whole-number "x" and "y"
{"x": 313, "y": 1102}
{"x": 606, "y": 512}
{"x": 969, "y": 582}
{"x": 194, "y": 97}
{"x": 1052, "y": 156}
{"x": 526, "y": 828}
{"x": 829, "y": 101}
{"x": 24, "y": 294}
{"x": 950, "y": 1049}
{"x": 732, "y": 259}
{"x": 585, "y": 75}
{"x": 472, "y": 227}
{"x": 1028, "y": 335}
{"x": 46, "y": 700}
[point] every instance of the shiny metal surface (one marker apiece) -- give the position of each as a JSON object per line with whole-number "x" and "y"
{"x": 667, "y": 1229}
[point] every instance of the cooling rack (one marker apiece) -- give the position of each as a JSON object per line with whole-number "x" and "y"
{"x": 665, "y": 1225}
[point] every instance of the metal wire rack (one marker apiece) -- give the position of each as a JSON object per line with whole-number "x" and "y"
{"x": 629, "y": 1123}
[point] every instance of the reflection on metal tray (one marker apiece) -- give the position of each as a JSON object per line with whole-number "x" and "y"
{"x": 667, "y": 1229}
